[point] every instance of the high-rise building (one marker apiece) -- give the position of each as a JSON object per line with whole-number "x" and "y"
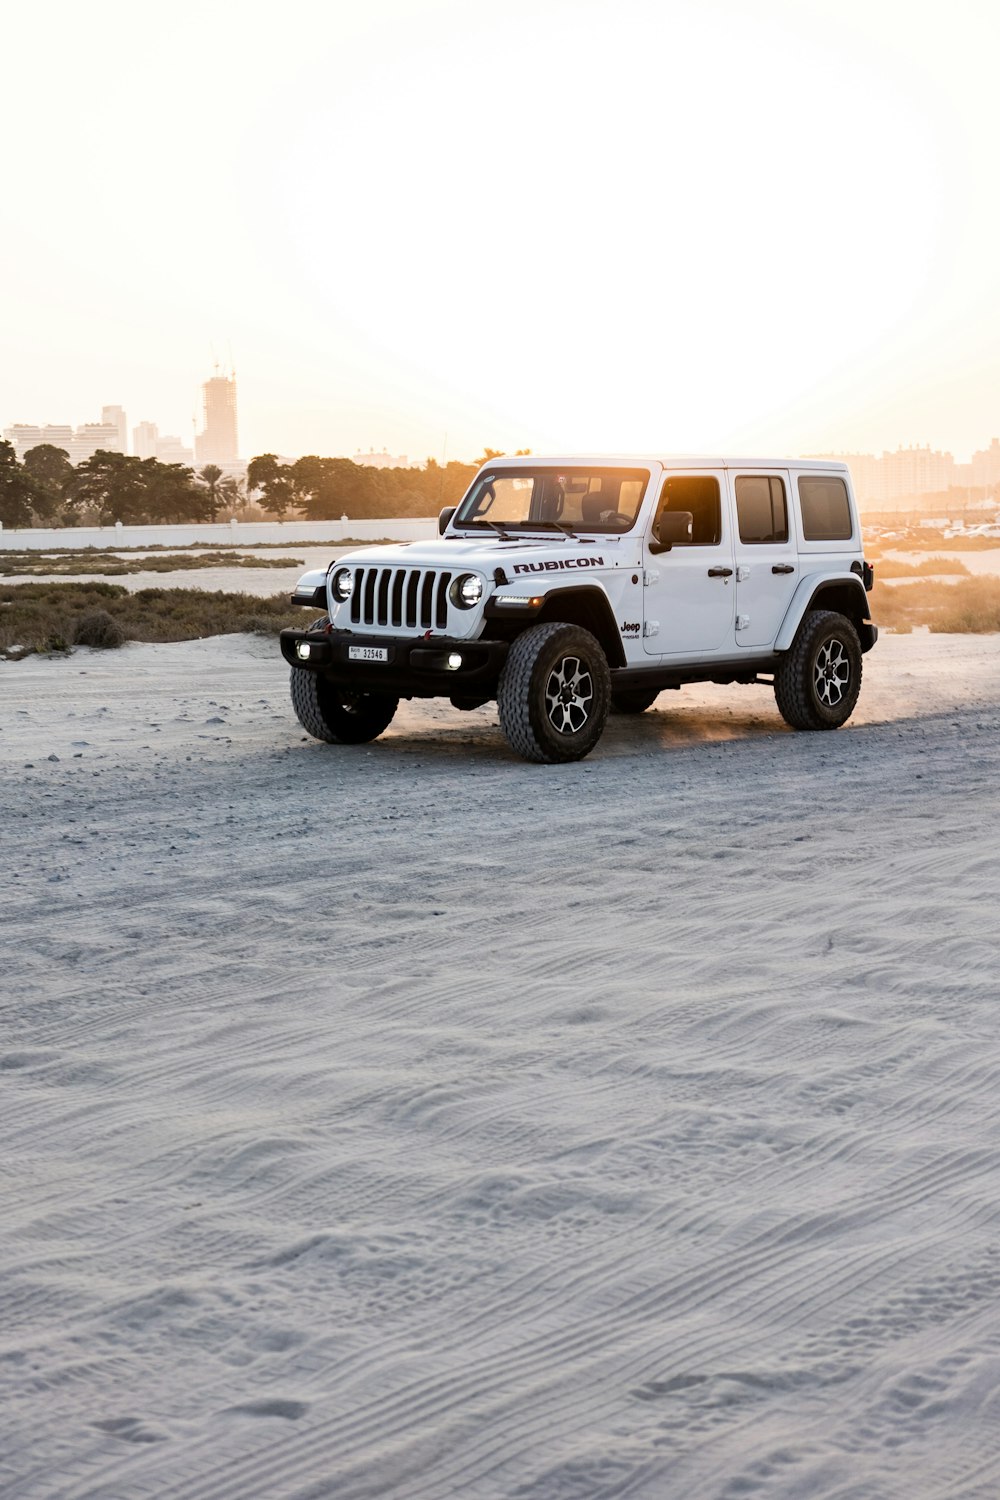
{"x": 144, "y": 439}
{"x": 219, "y": 443}
{"x": 114, "y": 416}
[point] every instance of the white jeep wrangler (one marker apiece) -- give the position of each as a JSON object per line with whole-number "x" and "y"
{"x": 565, "y": 587}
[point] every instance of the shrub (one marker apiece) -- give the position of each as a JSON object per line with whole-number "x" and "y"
{"x": 98, "y": 628}
{"x": 45, "y": 616}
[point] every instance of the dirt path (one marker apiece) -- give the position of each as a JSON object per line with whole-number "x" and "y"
{"x": 406, "y": 1121}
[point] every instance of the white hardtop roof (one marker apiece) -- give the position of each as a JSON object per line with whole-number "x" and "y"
{"x": 668, "y": 460}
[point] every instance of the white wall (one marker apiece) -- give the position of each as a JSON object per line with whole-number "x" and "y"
{"x": 221, "y": 533}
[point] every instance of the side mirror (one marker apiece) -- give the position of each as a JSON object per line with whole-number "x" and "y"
{"x": 672, "y": 526}
{"x": 444, "y": 517}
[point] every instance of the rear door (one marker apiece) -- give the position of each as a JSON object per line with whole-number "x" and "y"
{"x": 766, "y": 553}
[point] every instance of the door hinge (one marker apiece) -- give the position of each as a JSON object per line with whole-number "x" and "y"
{"x": 742, "y": 574}
{"x": 649, "y": 577}
{"x": 742, "y": 621}
{"x": 651, "y": 627}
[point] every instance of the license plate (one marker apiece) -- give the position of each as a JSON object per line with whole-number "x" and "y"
{"x": 367, "y": 653}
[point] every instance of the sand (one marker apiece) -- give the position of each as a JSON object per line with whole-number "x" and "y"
{"x": 408, "y": 1121}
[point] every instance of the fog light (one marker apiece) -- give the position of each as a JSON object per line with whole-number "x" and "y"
{"x": 303, "y": 650}
{"x": 454, "y": 661}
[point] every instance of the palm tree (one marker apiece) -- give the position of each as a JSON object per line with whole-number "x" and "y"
{"x": 211, "y": 476}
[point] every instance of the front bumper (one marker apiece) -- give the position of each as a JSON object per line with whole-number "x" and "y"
{"x": 414, "y": 668}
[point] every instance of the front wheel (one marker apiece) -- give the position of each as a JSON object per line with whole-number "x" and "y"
{"x": 817, "y": 682}
{"x": 332, "y": 713}
{"x": 554, "y": 693}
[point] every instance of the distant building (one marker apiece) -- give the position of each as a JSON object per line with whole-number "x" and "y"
{"x": 891, "y": 481}
{"x": 986, "y": 466}
{"x": 383, "y": 460}
{"x": 80, "y": 443}
{"x": 94, "y": 436}
{"x": 144, "y": 439}
{"x": 866, "y": 475}
{"x": 218, "y": 443}
{"x": 917, "y": 471}
{"x": 170, "y": 450}
{"x": 114, "y": 416}
{"x": 24, "y": 436}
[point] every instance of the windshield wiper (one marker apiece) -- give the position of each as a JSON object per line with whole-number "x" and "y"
{"x": 560, "y": 526}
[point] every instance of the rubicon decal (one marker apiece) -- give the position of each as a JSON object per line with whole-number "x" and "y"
{"x": 554, "y": 564}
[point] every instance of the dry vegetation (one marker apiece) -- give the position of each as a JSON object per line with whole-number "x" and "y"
{"x": 970, "y": 606}
{"x": 109, "y": 565}
{"x": 57, "y": 616}
{"x": 927, "y": 567}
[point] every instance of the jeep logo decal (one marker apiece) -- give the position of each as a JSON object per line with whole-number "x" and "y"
{"x": 562, "y": 562}
{"x": 630, "y": 627}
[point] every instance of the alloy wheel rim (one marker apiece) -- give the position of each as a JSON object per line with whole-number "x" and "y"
{"x": 569, "y": 695}
{"x": 832, "y": 673}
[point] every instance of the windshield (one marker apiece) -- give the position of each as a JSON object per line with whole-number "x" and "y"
{"x": 589, "y": 499}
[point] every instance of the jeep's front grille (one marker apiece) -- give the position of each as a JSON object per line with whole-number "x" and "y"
{"x": 404, "y": 598}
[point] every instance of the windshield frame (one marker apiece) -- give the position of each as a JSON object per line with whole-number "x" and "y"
{"x": 549, "y": 526}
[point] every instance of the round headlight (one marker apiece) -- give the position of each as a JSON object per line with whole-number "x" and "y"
{"x": 343, "y": 584}
{"x": 467, "y": 590}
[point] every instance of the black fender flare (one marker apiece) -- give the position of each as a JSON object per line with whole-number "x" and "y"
{"x": 590, "y": 607}
{"x": 844, "y": 593}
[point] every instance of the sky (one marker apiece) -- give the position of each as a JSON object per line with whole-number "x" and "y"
{"x": 430, "y": 226}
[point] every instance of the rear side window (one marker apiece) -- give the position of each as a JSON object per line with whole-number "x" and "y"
{"x": 761, "y": 508}
{"x": 826, "y": 511}
{"x": 698, "y": 493}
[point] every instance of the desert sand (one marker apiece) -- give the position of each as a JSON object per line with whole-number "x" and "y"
{"x": 408, "y": 1121}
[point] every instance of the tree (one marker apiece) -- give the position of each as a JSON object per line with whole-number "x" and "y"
{"x": 330, "y": 487}
{"x": 18, "y": 491}
{"x": 274, "y": 481}
{"x": 138, "y": 491}
{"x": 109, "y": 487}
{"x": 50, "y": 469}
{"x": 211, "y": 476}
{"x": 171, "y": 494}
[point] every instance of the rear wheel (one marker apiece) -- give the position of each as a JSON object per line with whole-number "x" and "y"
{"x": 554, "y": 693}
{"x": 328, "y": 711}
{"x": 633, "y": 700}
{"x": 817, "y": 682}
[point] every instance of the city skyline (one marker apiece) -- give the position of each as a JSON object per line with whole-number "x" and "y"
{"x": 764, "y": 227}
{"x": 883, "y": 478}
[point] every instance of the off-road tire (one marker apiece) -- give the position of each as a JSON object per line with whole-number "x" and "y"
{"x": 633, "y": 700}
{"x": 817, "y": 681}
{"x": 530, "y": 705}
{"x": 329, "y": 712}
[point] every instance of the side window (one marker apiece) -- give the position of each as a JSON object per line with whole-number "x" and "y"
{"x": 761, "y": 508}
{"x": 698, "y": 493}
{"x": 826, "y": 510}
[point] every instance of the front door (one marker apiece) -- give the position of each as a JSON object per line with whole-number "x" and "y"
{"x": 690, "y": 595}
{"x": 766, "y": 555}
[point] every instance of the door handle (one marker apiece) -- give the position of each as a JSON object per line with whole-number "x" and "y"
{"x": 783, "y": 568}
{"x": 720, "y": 572}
